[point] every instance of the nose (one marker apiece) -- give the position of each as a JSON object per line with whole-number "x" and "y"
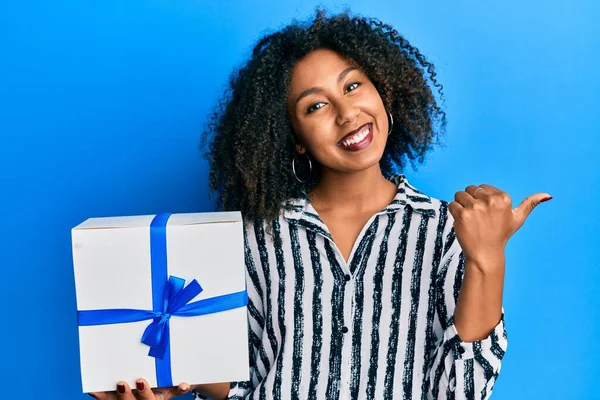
{"x": 347, "y": 112}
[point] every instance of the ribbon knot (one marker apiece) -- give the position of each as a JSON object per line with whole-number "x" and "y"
{"x": 176, "y": 296}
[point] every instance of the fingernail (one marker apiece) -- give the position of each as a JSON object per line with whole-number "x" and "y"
{"x": 546, "y": 199}
{"x": 121, "y": 388}
{"x": 185, "y": 388}
{"x": 140, "y": 386}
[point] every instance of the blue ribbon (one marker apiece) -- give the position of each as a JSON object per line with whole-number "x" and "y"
{"x": 170, "y": 297}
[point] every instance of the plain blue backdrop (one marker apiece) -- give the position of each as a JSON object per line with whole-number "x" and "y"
{"x": 102, "y": 105}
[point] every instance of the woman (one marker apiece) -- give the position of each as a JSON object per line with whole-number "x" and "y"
{"x": 360, "y": 286}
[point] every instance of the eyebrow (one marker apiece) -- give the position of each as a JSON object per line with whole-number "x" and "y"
{"x": 312, "y": 90}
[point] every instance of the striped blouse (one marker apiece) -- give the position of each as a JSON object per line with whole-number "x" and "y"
{"x": 379, "y": 326}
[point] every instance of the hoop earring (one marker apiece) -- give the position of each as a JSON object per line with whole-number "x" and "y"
{"x": 391, "y": 123}
{"x": 294, "y": 168}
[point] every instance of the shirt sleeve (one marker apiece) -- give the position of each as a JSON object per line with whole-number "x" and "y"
{"x": 461, "y": 370}
{"x": 243, "y": 389}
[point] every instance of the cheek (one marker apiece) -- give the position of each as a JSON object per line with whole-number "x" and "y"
{"x": 375, "y": 103}
{"x": 316, "y": 133}
{"x": 377, "y": 110}
{"x": 317, "y": 145}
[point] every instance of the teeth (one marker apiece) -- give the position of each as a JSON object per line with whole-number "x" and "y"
{"x": 358, "y": 137}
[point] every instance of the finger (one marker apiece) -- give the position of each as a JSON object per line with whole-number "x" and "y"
{"x": 479, "y": 192}
{"x": 455, "y": 209}
{"x": 464, "y": 199}
{"x": 472, "y": 188}
{"x": 526, "y": 207}
{"x": 490, "y": 188}
{"x": 144, "y": 390}
{"x": 124, "y": 391}
{"x": 183, "y": 388}
{"x": 111, "y": 395}
{"x": 172, "y": 392}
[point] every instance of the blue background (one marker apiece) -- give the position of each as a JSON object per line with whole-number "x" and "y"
{"x": 102, "y": 105}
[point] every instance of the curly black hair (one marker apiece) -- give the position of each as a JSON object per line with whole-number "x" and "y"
{"x": 250, "y": 133}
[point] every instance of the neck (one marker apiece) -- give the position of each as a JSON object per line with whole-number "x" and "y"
{"x": 352, "y": 192}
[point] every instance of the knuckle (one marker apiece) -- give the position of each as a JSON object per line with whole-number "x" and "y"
{"x": 479, "y": 206}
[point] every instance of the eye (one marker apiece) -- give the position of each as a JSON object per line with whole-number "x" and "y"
{"x": 312, "y": 107}
{"x": 352, "y": 84}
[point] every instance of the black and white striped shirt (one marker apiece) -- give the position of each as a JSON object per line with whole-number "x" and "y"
{"x": 379, "y": 326}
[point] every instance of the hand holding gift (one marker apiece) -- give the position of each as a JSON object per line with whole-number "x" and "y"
{"x": 216, "y": 391}
{"x": 142, "y": 392}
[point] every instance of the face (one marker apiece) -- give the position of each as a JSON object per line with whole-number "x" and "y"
{"x": 337, "y": 113}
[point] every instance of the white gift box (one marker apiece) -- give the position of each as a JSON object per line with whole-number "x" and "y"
{"x": 114, "y": 261}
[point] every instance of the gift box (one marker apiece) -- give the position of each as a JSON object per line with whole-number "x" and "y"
{"x": 161, "y": 297}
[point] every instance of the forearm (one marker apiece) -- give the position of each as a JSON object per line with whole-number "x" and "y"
{"x": 479, "y": 306}
{"x": 217, "y": 391}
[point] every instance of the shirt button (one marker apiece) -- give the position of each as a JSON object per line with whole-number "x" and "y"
{"x": 347, "y": 278}
{"x": 344, "y": 329}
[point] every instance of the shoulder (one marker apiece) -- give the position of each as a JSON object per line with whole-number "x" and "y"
{"x": 261, "y": 232}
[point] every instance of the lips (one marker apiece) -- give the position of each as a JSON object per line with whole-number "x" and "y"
{"x": 358, "y": 139}
{"x": 349, "y": 135}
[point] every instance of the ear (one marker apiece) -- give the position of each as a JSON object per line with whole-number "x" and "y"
{"x": 299, "y": 148}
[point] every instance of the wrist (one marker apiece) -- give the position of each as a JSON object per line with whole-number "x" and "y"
{"x": 488, "y": 263}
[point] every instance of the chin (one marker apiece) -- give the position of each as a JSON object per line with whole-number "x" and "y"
{"x": 363, "y": 164}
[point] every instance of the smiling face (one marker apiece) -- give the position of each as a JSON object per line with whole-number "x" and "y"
{"x": 337, "y": 113}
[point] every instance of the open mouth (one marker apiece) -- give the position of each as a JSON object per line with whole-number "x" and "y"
{"x": 359, "y": 139}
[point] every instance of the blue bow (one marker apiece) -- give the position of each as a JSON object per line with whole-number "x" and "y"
{"x": 156, "y": 334}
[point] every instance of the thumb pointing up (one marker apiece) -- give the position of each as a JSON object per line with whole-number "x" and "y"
{"x": 522, "y": 211}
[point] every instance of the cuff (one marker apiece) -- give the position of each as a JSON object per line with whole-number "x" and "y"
{"x": 468, "y": 350}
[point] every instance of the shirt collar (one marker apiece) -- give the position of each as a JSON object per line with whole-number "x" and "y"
{"x": 302, "y": 212}
{"x": 411, "y": 196}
